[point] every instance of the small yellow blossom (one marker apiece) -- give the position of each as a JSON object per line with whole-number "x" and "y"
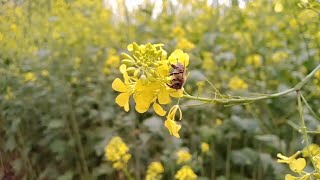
{"x": 118, "y": 153}
{"x": 9, "y": 95}
{"x": 279, "y": 56}
{"x": 29, "y": 77}
{"x": 178, "y": 32}
{"x": 208, "y": 63}
{"x": 236, "y": 83}
{"x": 186, "y": 173}
{"x": 171, "y": 124}
{"x": 296, "y": 165}
{"x": 254, "y": 60}
{"x": 155, "y": 171}
{"x": 185, "y": 44}
{"x": 205, "y": 147}
{"x": 45, "y": 73}
{"x": 183, "y": 156}
{"x": 278, "y": 7}
{"x": 317, "y": 74}
{"x": 313, "y": 148}
{"x": 218, "y": 122}
{"x": 113, "y": 61}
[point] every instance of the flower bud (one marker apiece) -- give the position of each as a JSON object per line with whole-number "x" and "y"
{"x": 128, "y": 62}
{"x": 137, "y": 73}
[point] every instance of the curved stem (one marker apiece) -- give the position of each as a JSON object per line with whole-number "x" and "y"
{"x": 252, "y": 99}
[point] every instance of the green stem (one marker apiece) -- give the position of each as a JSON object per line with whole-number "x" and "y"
{"x": 252, "y": 99}
{"x": 304, "y": 128}
{"x": 127, "y": 174}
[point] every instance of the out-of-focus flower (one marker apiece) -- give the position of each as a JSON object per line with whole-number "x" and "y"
{"x": 178, "y": 32}
{"x": 279, "y": 56}
{"x": 236, "y": 83}
{"x": 113, "y": 61}
{"x": 205, "y": 147}
{"x": 29, "y": 77}
{"x": 314, "y": 149}
{"x": 317, "y": 74}
{"x": 186, "y": 173}
{"x": 155, "y": 171}
{"x": 185, "y": 44}
{"x": 278, "y": 7}
{"x": 9, "y": 94}
{"x": 254, "y": 60}
{"x": 118, "y": 153}
{"x": 183, "y": 156}
{"x": 208, "y": 63}
{"x": 1, "y": 36}
{"x": 45, "y": 73}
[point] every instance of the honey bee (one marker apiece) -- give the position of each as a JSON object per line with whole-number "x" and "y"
{"x": 178, "y": 75}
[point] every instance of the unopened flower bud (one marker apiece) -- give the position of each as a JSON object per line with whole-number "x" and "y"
{"x": 137, "y": 73}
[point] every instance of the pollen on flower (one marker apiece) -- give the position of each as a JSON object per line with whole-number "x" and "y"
{"x": 118, "y": 153}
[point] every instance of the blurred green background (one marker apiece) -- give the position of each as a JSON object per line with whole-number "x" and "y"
{"x": 58, "y": 59}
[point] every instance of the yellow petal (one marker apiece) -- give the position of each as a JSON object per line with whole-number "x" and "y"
{"x": 158, "y": 109}
{"x": 142, "y": 103}
{"x": 123, "y": 100}
{"x": 119, "y": 86}
{"x": 290, "y": 177}
{"x": 173, "y": 127}
{"x": 163, "y": 96}
{"x": 179, "y": 56}
{"x": 176, "y": 93}
{"x": 123, "y": 69}
{"x": 297, "y": 165}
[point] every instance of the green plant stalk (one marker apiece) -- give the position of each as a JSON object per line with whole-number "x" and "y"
{"x": 304, "y": 128}
{"x": 297, "y": 87}
{"x": 127, "y": 174}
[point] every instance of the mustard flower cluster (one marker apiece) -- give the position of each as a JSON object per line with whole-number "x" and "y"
{"x": 183, "y": 156}
{"x": 186, "y": 173}
{"x": 155, "y": 171}
{"x": 147, "y": 78}
{"x": 118, "y": 153}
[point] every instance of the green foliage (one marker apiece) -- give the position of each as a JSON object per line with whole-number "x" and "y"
{"x": 59, "y": 58}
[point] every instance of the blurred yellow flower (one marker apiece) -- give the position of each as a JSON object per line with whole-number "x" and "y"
{"x": 218, "y": 122}
{"x": 178, "y": 32}
{"x": 278, "y": 7}
{"x": 208, "y": 63}
{"x": 113, "y": 61}
{"x": 313, "y": 148}
{"x": 171, "y": 124}
{"x": 118, "y": 153}
{"x": 29, "y": 77}
{"x": 279, "y": 56}
{"x": 9, "y": 94}
{"x": 296, "y": 165}
{"x": 45, "y": 73}
{"x": 254, "y": 60}
{"x": 183, "y": 156}
{"x": 317, "y": 74}
{"x": 236, "y": 83}
{"x": 186, "y": 173}
{"x": 185, "y": 44}
{"x": 155, "y": 171}
{"x": 205, "y": 147}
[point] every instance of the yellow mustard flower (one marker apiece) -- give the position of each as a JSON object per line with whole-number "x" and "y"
{"x": 171, "y": 124}
{"x": 186, "y": 173}
{"x": 254, "y": 60}
{"x": 146, "y": 76}
{"x": 178, "y": 31}
{"x": 118, "y": 153}
{"x": 9, "y": 94}
{"x": 208, "y": 63}
{"x": 45, "y": 73}
{"x": 113, "y": 61}
{"x": 205, "y": 147}
{"x": 279, "y": 56}
{"x": 296, "y": 165}
{"x": 155, "y": 171}
{"x": 218, "y": 122}
{"x": 313, "y": 148}
{"x": 236, "y": 83}
{"x": 183, "y": 156}
{"x": 278, "y": 7}
{"x": 317, "y": 74}
{"x": 29, "y": 77}
{"x": 185, "y": 44}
